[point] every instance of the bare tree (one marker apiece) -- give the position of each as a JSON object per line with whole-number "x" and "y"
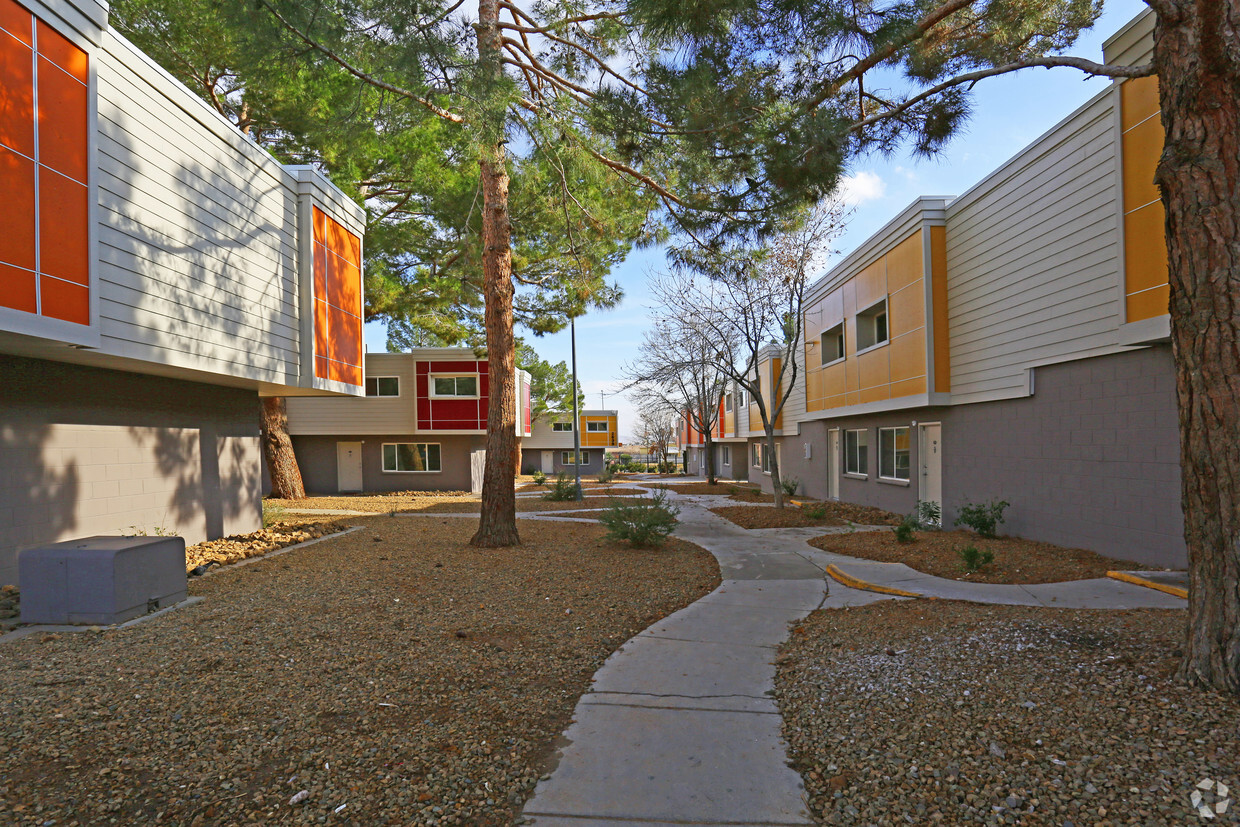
{"x": 676, "y": 365}
{"x": 656, "y": 425}
{"x": 754, "y": 317}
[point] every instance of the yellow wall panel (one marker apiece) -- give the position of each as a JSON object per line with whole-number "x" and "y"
{"x": 904, "y": 264}
{"x": 834, "y": 380}
{"x": 874, "y": 368}
{"x": 1149, "y": 304}
{"x": 908, "y": 387}
{"x": 938, "y": 290}
{"x": 871, "y": 284}
{"x": 833, "y": 402}
{"x": 848, "y": 297}
{"x": 1141, "y": 147}
{"x": 1138, "y": 100}
{"x": 875, "y": 393}
{"x": 908, "y": 356}
{"x": 1145, "y": 249}
{"x": 906, "y": 310}
{"x": 852, "y": 398}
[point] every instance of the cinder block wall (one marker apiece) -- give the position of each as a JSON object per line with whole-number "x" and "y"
{"x": 88, "y": 451}
{"x": 316, "y": 457}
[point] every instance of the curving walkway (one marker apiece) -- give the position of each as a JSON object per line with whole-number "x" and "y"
{"x": 681, "y": 726}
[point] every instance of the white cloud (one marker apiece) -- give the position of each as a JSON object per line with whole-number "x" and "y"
{"x": 861, "y": 187}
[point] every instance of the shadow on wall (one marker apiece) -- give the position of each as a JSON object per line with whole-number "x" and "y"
{"x": 33, "y": 497}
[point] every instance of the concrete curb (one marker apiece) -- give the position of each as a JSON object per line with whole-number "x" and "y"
{"x": 855, "y": 583}
{"x": 1137, "y": 580}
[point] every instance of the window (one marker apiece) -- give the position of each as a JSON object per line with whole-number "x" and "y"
{"x": 596, "y": 427}
{"x": 727, "y": 454}
{"x": 766, "y": 462}
{"x": 456, "y": 386}
{"x": 872, "y": 326}
{"x": 756, "y": 453}
{"x": 727, "y": 403}
{"x": 893, "y": 453}
{"x": 857, "y": 453}
{"x": 383, "y": 386}
{"x": 566, "y": 458}
{"x": 562, "y": 426}
{"x": 833, "y": 344}
{"x": 411, "y": 457}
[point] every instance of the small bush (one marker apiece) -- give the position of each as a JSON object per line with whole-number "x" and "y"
{"x": 539, "y": 477}
{"x": 643, "y": 523}
{"x": 905, "y": 530}
{"x": 929, "y": 514}
{"x": 606, "y": 475}
{"x": 983, "y": 518}
{"x": 562, "y": 490}
{"x": 790, "y": 485}
{"x": 815, "y": 511}
{"x": 973, "y": 559}
{"x": 273, "y": 513}
{"x": 667, "y": 467}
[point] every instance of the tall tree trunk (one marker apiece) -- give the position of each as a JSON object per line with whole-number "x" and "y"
{"x": 516, "y": 457}
{"x": 710, "y": 458}
{"x": 498, "y": 524}
{"x": 1198, "y": 58}
{"x": 777, "y": 489}
{"x": 278, "y": 449}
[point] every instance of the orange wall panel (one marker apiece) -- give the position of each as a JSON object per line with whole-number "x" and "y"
{"x": 908, "y": 356}
{"x": 906, "y": 309}
{"x": 1138, "y": 100}
{"x": 17, "y": 195}
{"x": 64, "y": 226}
{"x": 57, "y": 48}
{"x": 338, "y": 301}
{"x": 908, "y": 387}
{"x": 938, "y": 291}
{"x": 871, "y": 284}
{"x": 18, "y": 289}
{"x": 1145, "y": 248}
{"x": 1149, "y": 303}
{"x": 874, "y": 368}
{"x": 1141, "y": 147}
{"x": 16, "y": 95}
{"x": 16, "y": 19}
{"x": 904, "y": 263}
{"x": 64, "y": 300}
{"x": 62, "y": 121}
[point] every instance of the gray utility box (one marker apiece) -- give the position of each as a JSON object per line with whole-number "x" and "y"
{"x": 100, "y": 580}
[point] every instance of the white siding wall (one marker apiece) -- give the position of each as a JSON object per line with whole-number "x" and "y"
{"x": 197, "y": 244}
{"x": 1033, "y": 259}
{"x": 348, "y": 416}
{"x": 544, "y": 437}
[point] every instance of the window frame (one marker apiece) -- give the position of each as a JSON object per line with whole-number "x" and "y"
{"x": 568, "y": 429}
{"x": 376, "y": 394}
{"x": 867, "y": 320}
{"x": 822, "y": 342}
{"x": 862, "y": 469}
{"x": 727, "y": 403}
{"x": 755, "y": 454}
{"x": 435, "y": 394}
{"x": 584, "y": 456}
{"x": 603, "y": 430}
{"x": 425, "y": 457}
{"x": 895, "y": 466}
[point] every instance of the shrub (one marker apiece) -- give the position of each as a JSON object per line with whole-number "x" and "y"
{"x": 790, "y": 485}
{"x": 815, "y": 511}
{"x": 973, "y": 559}
{"x": 606, "y": 475}
{"x": 905, "y": 530}
{"x": 667, "y": 467}
{"x": 929, "y": 514}
{"x": 539, "y": 477}
{"x": 562, "y": 490}
{"x": 983, "y": 518}
{"x": 646, "y": 522}
{"x": 273, "y": 513}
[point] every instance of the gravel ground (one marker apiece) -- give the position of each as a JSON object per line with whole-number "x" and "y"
{"x": 954, "y": 713}
{"x": 379, "y": 503}
{"x": 394, "y": 673}
{"x": 524, "y": 504}
{"x": 1016, "y": 560}
{"x": 762, "y": 516}
{"x": 276, "y": 536}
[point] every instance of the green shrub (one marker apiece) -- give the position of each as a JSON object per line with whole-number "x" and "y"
{"x": 539, "y": 477}
{"x": 905, "y": 530}
{"x": 973, "y": 559}
{"x": 562, "y": 490}
{"x": 273, "y": 513}
{"x": 667, "y": 467}
{"x": 646, "y": 522}
{"x": 606, "y": 475}
{"x": 790, "y": 485}
{"x": 983, "y": 518}
{"x": 815, "y": 511}
{"x": 929, "y": 514}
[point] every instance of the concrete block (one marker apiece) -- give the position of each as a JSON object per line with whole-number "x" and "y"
{"x": 101, "y": 580}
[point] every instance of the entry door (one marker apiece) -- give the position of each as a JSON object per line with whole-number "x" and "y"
{"x": 931, "y": 451}
{"x": 833, "y": 465}
{"x": 548, "y": 464}
{"x": 349, "y": 466}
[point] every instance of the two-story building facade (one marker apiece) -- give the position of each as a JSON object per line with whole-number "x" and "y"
{"x": 550, "y": 446}
{"x": 420, "y": 426}
{"x": 1010, "y": 343}
{"x": 159, "y": 273}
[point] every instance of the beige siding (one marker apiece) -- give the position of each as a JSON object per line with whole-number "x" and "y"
{"x": 328, "y": 416}
{"x": 1033, "y": 259}
{"x": 544, "y": 437}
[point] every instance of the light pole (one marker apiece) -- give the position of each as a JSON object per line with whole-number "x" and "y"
{"x": 572, "y": 324}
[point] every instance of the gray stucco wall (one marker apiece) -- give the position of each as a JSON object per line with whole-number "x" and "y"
{"x": 87, "y": 451}
{"x": 316, "y": 456}
{"x": 531, "y": 460}
{"x": 1091, "y": 460}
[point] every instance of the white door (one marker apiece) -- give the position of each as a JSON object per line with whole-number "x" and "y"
{"x": 349, "y": 466}
{"x": 833, "y": 464}
{"x": 931, "y": 451}
{"x": 548, "y": 464}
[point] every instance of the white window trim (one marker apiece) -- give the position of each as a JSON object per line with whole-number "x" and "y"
{"x": 895, "y": 480}
{"x": 567, "y": 430}
{"x": 727, "y": 403}
{"x": 843, "y": 350}
{"x": 383, "y": 395}
{"x": 726, "y": 455}
{"x": 865, "y": 312}
{"x": 856, "y": 475}
{"x": 434, "y": 376}
{"x": 592, "y": 430}
{"x": 585, "y": 457}
{"x": 428, "y": 444}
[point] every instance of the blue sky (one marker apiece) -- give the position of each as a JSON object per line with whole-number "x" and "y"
{"x": 1009, "y": 113}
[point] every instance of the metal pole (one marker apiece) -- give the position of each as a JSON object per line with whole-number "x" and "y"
{"x": 572, "y": 322}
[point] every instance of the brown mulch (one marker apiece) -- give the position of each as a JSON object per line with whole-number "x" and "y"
{"x": 1016, "y": 560}
{"x": 860, "y": 514}
{"x": 378, "y": 503}
{"x": 524, "y": 504}
{"x": 956, "y": 713}
{"x": 395, "y": 670}
{"x": 752, "y": 495}
{"x": 240, "y": 546}
{"x": 721, "y": 487}
{"x": 761, "y": 516}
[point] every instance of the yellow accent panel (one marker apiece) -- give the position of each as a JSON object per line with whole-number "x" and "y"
{"x": 1141, "y": 147}
{"x": 908, "y": 387}
{"x": 871, "y": 284}
{"x": 852, "y": 398}
{"x": 906, "y": 310}
{"x": 848, "y": 297}
{"x": 908, "y": 356}
{"x": 1150, "y": 304}
{"x": 729, "y": 422}
{"x": 904, "y": 264}
{"x": 835, "y": 379}
{"x": 1138, "y": 100}
{"x": 875, "y": 393}
{"x": 874, "y": 368}
{"x": 1145, "y": 249}
{"x": 938, "y": 290}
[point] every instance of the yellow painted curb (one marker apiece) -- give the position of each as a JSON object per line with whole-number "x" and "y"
{"x": 853, "y": 583}
{"x": 1125, "y": 577}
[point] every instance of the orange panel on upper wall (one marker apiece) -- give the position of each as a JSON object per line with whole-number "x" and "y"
{"x": 17, "y": 20}
{"x": 19, "y": 289}
{"x": 17, "y": 194}
{"x": 1145, "y": 246}
{"x": 64, "y": 221}
{"x": 16, "y": 95}
{"x": 62, "y": 122}
{"x": 338, "y": 301}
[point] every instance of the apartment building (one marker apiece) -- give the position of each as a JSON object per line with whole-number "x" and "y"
{"x": 1009, "y": 343}
{"x": 549, "y": 447}
{"x": 159, "y": 273}
{"x": 420, "y": 426}
{"x": 729, "y": 438}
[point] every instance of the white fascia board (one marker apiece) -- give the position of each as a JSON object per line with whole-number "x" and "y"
{"x": 920, "y": 400}
{"x": 313, "y": 183}
{"x": 1146, "y": 331}
{"x": 1133, "y": 43}
{"x": 88, "y": 18}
